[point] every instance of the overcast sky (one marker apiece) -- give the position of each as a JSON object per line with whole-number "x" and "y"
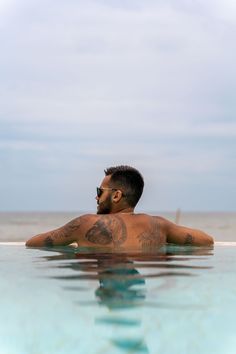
{"x": 89, "y": 84}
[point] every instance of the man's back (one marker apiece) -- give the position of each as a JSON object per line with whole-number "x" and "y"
{"x": 121, "y": 232}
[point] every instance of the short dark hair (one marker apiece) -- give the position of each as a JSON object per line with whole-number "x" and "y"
{"x": 129, "y": 179}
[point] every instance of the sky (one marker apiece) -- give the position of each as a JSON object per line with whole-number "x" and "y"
{"x": 90, "y": 84}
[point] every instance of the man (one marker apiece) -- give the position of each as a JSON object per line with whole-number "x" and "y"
{"x": 116, "y": 226}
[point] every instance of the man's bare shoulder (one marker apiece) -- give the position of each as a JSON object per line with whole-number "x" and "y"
{"x": 162, "y": 221}
{"x": 88, "y": 220}
{"x": 103, "y": 229}
{"x": 155, "y": 218}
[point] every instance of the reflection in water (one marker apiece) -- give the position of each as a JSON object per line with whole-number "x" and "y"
{"x": 121, "y": 282}
{"x": 131, "y": 345}
{"x": 116, "y": 288}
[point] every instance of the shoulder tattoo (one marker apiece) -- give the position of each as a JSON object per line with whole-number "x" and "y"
{"x": 152, "y": 237}
{"x": 107, "y": 230}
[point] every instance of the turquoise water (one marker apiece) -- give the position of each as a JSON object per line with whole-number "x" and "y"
{"x": 182, "y": 300}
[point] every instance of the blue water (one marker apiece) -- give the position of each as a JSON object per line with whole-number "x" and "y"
{"x": 182, "y": 300}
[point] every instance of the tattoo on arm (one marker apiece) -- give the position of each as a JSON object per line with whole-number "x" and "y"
{"x": 188, "y": 239}
{"x": 62, "y": 233}
{"x": 48, "y": 241}
{"x": 107, "y": 230}
{"x": 68, "y": 229}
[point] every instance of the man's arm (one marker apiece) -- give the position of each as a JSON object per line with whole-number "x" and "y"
{"x": 60, "y": 237}
{"x": 182, "y": 235}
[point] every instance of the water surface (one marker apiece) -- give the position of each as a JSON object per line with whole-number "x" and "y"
{"x": 180, "y": 300}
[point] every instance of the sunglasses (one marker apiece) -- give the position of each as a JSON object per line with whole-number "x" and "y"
{"x": 100, "y": 190}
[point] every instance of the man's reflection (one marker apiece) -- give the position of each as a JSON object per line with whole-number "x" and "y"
{"x": 117, "y": 287}
{"x": 122, "y": 284}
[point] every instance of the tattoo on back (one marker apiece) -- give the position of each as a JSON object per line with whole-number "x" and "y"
{"x": 188, "y": 240}
{"x": 108, "y": 230}
{"x": 152, "y": 238}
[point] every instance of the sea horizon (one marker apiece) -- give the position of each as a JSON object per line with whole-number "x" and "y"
{"x": 21, "y": 225}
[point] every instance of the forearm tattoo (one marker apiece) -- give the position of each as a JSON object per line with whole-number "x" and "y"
{"x": 63, "y": 232}
{"x": 151, "y": 238}
{"x": 108, "y": 230}
{"x": 188, "y": 239}
{"x": 48, "y": 241}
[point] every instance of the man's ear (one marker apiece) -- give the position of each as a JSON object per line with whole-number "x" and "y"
{"x": 116, "y": 197}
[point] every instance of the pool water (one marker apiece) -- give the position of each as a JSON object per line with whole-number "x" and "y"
{"x": 65, "y": 300}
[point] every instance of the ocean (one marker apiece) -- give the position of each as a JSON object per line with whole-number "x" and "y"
{"x": 19, "y": 226}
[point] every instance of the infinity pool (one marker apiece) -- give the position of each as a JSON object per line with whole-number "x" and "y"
{"x": 182, "y": 300}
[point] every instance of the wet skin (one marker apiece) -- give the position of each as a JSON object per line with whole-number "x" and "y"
{"x": 118, "y": 228}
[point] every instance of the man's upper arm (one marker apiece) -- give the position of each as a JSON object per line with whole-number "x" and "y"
{"x": 59, "y": 237}
{"x": 186, "y": 236}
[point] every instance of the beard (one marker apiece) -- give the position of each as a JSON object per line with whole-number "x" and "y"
{"x": 105, "y": 206}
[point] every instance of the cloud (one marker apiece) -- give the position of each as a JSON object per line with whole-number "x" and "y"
{"x": 91, "y": 84}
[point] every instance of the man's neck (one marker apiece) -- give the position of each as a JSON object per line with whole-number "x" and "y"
{"x": 128, "y": 210}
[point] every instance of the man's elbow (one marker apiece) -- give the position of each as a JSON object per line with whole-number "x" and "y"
{"x": 34, "y": 242}
{"x": 203, "y": 239}
{"x": 30, "y": 243}
{"x": 209, "y": 240}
